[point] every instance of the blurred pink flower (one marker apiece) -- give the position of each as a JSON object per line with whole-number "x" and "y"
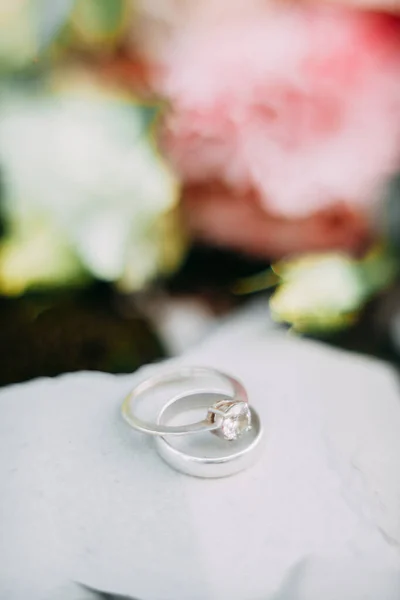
{"x": 300, "y": 104}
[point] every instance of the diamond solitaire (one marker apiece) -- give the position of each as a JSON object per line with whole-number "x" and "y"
{"x": 233, "y": 418}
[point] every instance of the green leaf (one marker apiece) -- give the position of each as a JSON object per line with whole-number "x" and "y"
{"x": 148, "y": 114}
{"x": 379, "y": 270}
{"x": 392, "y": 213}
{"x": 99, "y": 20}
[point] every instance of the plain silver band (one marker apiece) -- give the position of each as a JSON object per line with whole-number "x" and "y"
{"x": 206, "y": 467}
{"x": 237, "y": 393}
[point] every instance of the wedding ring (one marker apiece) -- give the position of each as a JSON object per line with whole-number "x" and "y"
{"x": 228, "y": 414}
{"x": 202, "y": 460}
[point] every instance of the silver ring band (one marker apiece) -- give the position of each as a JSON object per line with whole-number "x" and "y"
{"x": 227, "y": 462}
{"x": 228, "y": 406}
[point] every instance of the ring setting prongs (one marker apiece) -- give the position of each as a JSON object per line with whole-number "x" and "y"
{"x": 232, "y": 417}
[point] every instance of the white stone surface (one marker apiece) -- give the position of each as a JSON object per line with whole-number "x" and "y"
{"x": 84, "y": 498}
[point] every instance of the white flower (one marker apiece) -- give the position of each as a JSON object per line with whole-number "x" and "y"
{"x": 318, "y": 292}
{"x": 85, "y": 164}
